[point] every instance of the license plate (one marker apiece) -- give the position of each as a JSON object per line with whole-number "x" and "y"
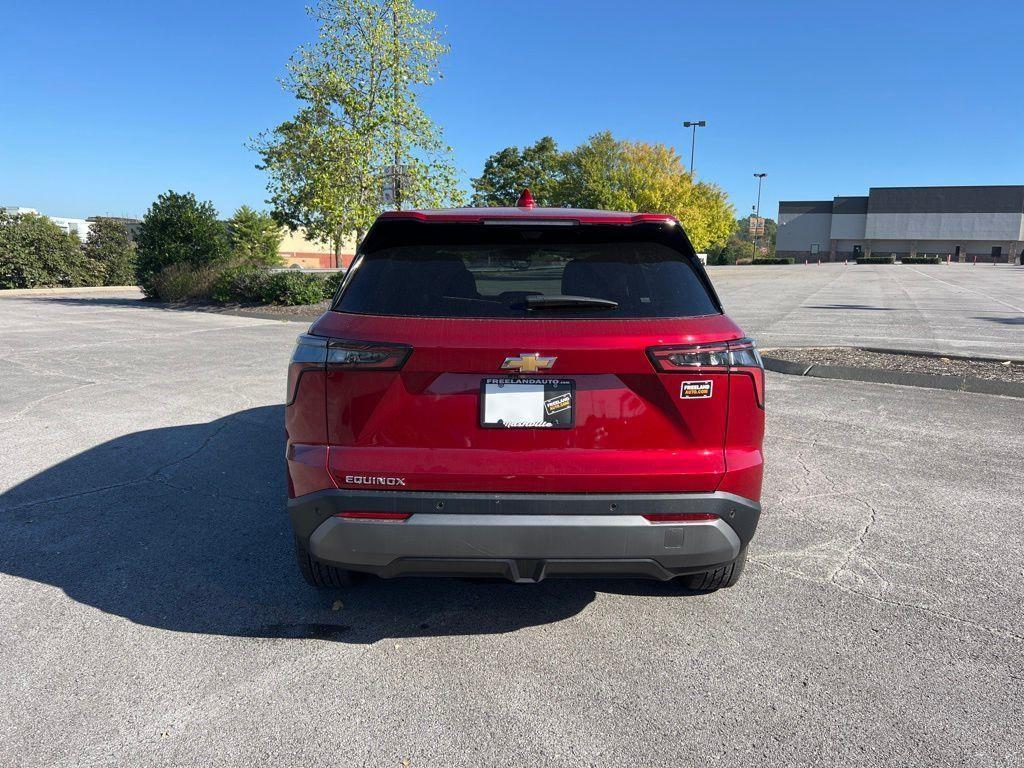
{"x": 527, "y": 403}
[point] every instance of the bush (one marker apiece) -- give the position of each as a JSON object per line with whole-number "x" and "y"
{"x": 331, "y": 283}
{"x": 890, "y": 259}
{"x": 774, "y": 260}
{"x": 294, "y": 288}
{"x": 36, "y": 253}
{"x": 743, "y": 262}
{"x": 920, "y": 260}
{"x": 251, "y": 285}
{"x": 183, "y": 282}
{"x": 110, "y": 247}
{"x": 179, "y": 230}
{"x": 243, "y": 284}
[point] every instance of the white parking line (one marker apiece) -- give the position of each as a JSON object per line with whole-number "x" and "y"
{"x": 965, "y": 288}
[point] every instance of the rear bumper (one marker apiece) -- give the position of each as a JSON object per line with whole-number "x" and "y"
{"x": 523, "y": 537}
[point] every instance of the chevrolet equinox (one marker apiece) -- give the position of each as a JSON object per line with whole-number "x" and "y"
{"x": 520, "y": 393}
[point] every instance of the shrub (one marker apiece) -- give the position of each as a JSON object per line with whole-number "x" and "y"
{"x": 183, "y": 282}
{"x": 920, "y": 260}
{"x": 244, "y": 284}
{"x": 331, "y": 283}
{"x": 743, "y": 262}
{"x": 294, "y": 288}
{"x": 774, "y": 260}
{"x": 890, "y": 259}
{"x": 178, "y": 230}
{"x": 36, "y": 253}
{"x": 110, "y": 247}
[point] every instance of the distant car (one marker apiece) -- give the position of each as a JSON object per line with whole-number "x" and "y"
{"x": 521, "y": 393}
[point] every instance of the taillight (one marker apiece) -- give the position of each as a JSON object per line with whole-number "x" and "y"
{"x": 366, "y": 355}
{"x": 680, "y": 517}
{"x": 689, "y": 358}
{"x": 393, "y": 516}
{"x": 746, "y": 361}
{"x": 734, "y": 357}
{"x": 320, "y": 353}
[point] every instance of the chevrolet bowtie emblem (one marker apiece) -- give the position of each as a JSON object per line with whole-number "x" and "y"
{"x": 528, "y": 362}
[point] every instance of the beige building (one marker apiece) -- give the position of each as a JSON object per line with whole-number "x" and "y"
{"x": 297, "y": 250}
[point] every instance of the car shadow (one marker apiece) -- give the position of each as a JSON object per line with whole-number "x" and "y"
{"x": 305, "y": 313}
{"x": 863, "y": 307}
{"x": 1017, "y": 320}
{"x": 184, "y": 528}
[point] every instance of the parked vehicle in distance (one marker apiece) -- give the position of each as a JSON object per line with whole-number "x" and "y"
{"x": 521, "y": 393}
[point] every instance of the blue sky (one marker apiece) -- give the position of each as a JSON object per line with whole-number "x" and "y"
{"x": 103, "y": 107}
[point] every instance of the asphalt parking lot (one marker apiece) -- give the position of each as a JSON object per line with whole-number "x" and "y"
{"x": 153, "y": 615}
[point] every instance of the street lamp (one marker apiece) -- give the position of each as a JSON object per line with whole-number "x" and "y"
{"x": 694, "y": 124}
{"x": 757, "y": 212}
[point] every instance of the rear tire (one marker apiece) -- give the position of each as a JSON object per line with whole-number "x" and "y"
{"x": 320, "y": 574}
{"x": 724, "y": 576}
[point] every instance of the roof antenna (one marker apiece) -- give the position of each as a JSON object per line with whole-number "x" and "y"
{"x": 526, "y": 200}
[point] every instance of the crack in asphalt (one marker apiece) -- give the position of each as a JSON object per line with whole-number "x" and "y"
{"x": 31, "y": 406}
{"x": 859, "y": 542}
{"x": 997, "y": 631}
{"x": 153, "y": 475}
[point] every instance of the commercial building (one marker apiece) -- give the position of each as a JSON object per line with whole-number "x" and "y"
{"x": 77, "y": 227}
{"x": 981, "y": 224}
{"x": 131, "y": 226}
{"x": 298, "y": 250}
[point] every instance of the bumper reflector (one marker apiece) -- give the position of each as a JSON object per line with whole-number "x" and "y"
{"x": 395, "y": 516}
{"x": 681, "y": 517}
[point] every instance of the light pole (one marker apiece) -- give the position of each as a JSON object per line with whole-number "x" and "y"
{"x": 694, "y": 124}
{"x": 757, "y": 212}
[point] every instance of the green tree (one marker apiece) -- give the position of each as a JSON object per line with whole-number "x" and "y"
{"x": 606, "y": 173}
{"x": 255, "y": 238}
{"x": 36, "y": 253}
{"x": 508, "y": 172}
{"x": 110, "y": 247}
{"x": 591, "y": 174}
{"x": 177, "y": 229}
{"x": 735, "y": 248}
{"x": 359, "y": 120}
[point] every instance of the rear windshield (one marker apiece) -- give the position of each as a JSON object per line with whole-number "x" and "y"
{"x": 626, "y": 280}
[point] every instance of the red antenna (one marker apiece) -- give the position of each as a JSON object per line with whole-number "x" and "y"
{"x": 526, "y": 200}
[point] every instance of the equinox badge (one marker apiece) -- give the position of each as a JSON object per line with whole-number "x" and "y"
{"x": 528, "y": 362}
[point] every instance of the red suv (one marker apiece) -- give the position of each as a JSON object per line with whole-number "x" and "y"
{"x": 521, "y": 393}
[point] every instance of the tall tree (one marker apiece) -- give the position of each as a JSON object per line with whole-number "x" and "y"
{"x": 637, "y": 176}
{"x": 255, "y": 238}
{"x": 591, "y": 174}
{"x": 110, "y": 247}
{"x": 360, "y": 124}
{"x": 508, "y": 172}
{"x": 177, "y": 229}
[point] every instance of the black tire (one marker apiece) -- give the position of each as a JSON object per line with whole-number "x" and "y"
{"x": 320, "y": 574}
{"x": 724, "y": 576}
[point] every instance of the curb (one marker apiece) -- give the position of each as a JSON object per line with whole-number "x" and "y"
{"x": 237, "y": 311}
{"x": 254, "y": 312}
{"x": 877, "y": 376}
{"x": 57, "y": 291}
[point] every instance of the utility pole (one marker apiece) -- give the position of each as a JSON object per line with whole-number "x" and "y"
{"x": 694, "y": 124}
{"x": 397, "y": 171}
{"x": 757, "y": 213}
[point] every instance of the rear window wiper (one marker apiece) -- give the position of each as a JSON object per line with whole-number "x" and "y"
{"x": 569, "y": 302}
